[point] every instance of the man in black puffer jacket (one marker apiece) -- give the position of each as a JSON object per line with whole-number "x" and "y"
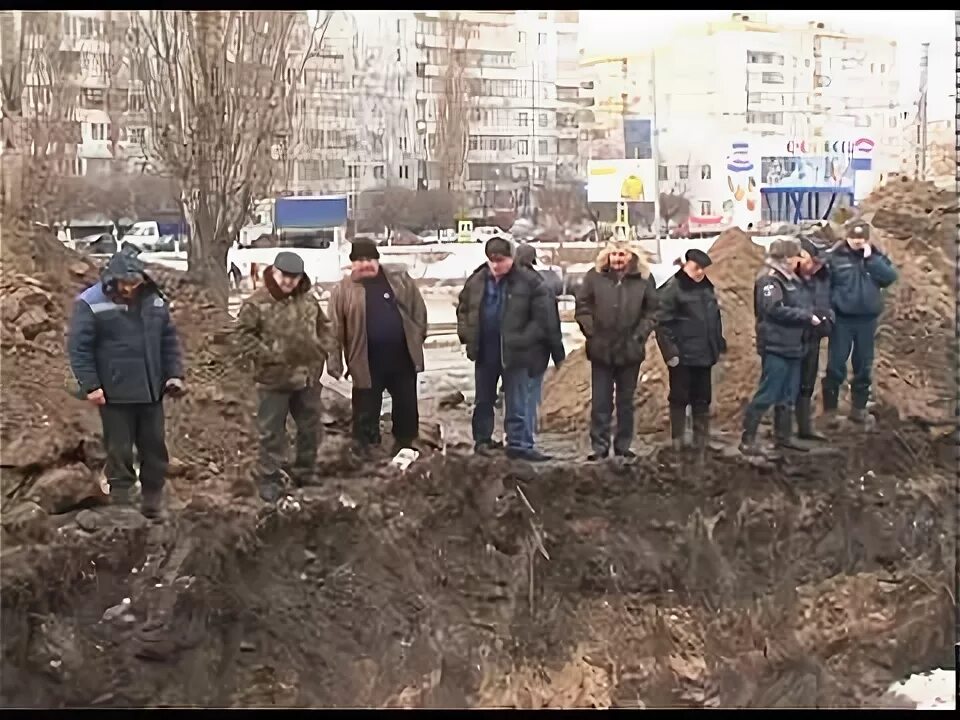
{"x": 815, "y": 276}
{"x": 690, "y": 336}
{"x": 502, "y": 319}
{"x": 859, "y": 274}
{"x": 784, "y": 311}
{"x": 126, "y": 358}
{"x": 616, "y": 311}
{"x": 551, "y": 347}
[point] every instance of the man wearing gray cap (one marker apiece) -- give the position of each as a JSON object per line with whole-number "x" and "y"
{"x": 859, "y": 273}
{"x": 283, "y": 330}
{"x": 784, "y": 312}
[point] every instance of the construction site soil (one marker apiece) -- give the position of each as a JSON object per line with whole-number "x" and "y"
{"x": 814, "y": 580}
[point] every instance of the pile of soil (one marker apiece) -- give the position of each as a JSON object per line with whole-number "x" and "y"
{"x": 915, "y": 224}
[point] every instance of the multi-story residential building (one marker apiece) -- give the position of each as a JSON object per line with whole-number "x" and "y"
{"x": 793, "y": 98}
{"x": 487, "y": 104}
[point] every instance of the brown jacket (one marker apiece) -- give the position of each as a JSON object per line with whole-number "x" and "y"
{"x": 348, "y": 313}
{"x": 287, "y": 336}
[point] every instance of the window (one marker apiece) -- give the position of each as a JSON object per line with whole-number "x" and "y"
{"x": 378, "y": 172}
{"x": 523, "y": 147}
{"x": 542, "y": 173}
{"x": 521, "y": 37}
{"x": 862, "y": 121}
{"x": 892, "y": 122}
{"x": 100, "y": 131}
{"x": 772, "y": 78}
{"x": 404, "y": 172}
{"x": 683, "y": 172}
{"x": 544, "y": 120}
{"x": 522, "y": 119}
{"x": 542, "y": 147}
{"x": 753, "y": 98}
{"x": 137, "y": 135}
{"x": 662, "y": 174}
{"x": 504, "y": 144}
{"x": 353, "y": 171}
{"x": 765, "y": 118}
{"x": 473, "y": 142}
{"x": 402, "y": 142}
{"x": 883, "y": 67}
{"x": 541, "y": 38}
{"x": 705, "y": 208}
{"x": 705, "y": 172}
{"x": 767, "y": 58}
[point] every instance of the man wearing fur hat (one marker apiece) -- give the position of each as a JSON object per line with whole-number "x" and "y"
{"x": 690, "y": 335}
{"x": 859, "y": 273}
{"x": 784, "y": 313}
{"x": 815, "y": 276}
{"x": 380, "y": 325}
{"x": 616, "y": 310}
{"x": 283, "y": 329}
{"x": 125, "y": 355}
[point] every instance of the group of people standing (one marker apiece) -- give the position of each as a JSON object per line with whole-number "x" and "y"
{"x": 126, "y": 357}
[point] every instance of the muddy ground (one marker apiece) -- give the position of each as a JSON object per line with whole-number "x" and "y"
{"x": 812, "y": 580}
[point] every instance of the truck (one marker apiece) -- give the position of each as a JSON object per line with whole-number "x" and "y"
{"x": 160, "y": 234}
{"x": 314, "y": 226}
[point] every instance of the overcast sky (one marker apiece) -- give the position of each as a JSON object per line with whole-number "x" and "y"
{"x": 613, "y": 31}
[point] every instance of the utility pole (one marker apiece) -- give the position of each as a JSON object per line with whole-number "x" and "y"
{"x": 655, "y": 147}
{"x": 921, "y": 155}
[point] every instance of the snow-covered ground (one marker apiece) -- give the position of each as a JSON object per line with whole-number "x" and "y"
{"x": 934, "y": 690}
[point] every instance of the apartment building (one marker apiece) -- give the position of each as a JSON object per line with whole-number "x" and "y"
{"x": 509, "y": 77}
{"x": 803, "y": 99}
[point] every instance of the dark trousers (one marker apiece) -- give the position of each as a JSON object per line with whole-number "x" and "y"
{"x": 516, "y": 381}
{"x": 304, "y": 407}
{"x": 608, "y": 381}
{"x": 779, "y": 382}
{"x": 129, "y": 426}
{"x": 809, "y": 365}
{"x": 400, "y": 380}
{"x": 856, "y": 334}
{"x": 691, "y": 386}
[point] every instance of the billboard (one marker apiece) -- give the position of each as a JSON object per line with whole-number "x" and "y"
{"x": 621, "y": 181}
{"x": 742, "y": 206}
{"x": 638, "y": 138}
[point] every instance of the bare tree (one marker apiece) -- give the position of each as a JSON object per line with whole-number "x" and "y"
{"x": 215, "y": 87}
{"x": 40, "y": 133}
{"x": 453, "y": 105}
{"x": 674, "y": 207}
{"x": 567, "y": 207}
{"x": 435, "y": 209}
{"x": 391, "y": 208}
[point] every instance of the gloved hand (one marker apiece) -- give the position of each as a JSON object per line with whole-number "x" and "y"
{"x": 174, "y": 388}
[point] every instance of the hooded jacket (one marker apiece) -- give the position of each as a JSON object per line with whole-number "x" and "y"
{"x": 524, "y": 317}
{"x": 783, "y": 311}
{"x": 348, "y": 312}
{"x": 858, "y": 282}
{"x": 127, "y": 349}
{"x": 617, "y": 313}
{"x": 688, "y": 322}
{"x": 286, "y": 336}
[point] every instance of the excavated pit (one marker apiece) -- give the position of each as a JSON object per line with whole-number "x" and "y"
{"x": 813, "y": 581}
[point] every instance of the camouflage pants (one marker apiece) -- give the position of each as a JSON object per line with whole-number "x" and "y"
{"x": 304, "y": 407}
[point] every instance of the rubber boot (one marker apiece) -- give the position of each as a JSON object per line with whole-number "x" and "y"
{"x": 678, "y": 426}
{"x": 151, "y": 504}
{"x": 748, "y": 440}
{"x": 805, "y": 430}
{"x": 701, "y": 434}
{"x": 861, "y": 416}
{"x": 783, "y": 429}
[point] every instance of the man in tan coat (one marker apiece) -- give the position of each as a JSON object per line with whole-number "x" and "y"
{"x": 380, "y": 324}
{"x": 283, "y": 329}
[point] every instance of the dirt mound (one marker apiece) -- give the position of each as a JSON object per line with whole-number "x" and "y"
{"x": 477, "y": 583}
{"x": 736, "y": 260}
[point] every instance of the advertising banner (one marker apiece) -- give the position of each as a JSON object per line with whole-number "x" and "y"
{"x": 622, "y": 181}
{"x": 638, "y": 138}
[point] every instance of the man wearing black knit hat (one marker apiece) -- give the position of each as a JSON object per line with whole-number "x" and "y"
{"x": 503, "y": 319}
{"x": 380, "y": 325}
{"x": 690, "y": 336}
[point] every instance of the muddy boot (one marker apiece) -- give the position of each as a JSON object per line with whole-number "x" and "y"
{"x": 151, "y": 504}
{"x": 122, "y": 497}
{"x": 860, "y": 416}
{"x": 783, "y": 429}
{"x": 678, "y": 427}
{"x": 701, "y": 435}
{"x": 270, "y": 490}
{"x": 748, "y": 440}
{"x": 805, "y": 430}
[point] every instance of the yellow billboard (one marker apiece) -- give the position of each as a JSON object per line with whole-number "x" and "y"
{"x": 621, "y": 181}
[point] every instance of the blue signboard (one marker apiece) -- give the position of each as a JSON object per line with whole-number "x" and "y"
{"x": 311, "y": 213}
{"x": 638, "y": 138}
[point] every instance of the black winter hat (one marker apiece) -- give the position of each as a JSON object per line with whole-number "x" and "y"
{"x": 288, "y": 263}
{"x": 364, "y": 249}
{"x": 807, "y": 243}
{"x": 498, "y": 246}
{"x": 699, "y": 257}
{"x": 124, "y": 265}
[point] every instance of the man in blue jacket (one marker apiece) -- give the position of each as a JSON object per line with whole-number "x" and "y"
{"x": 859, "y": 273}
{"x": 125, "y": 355}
